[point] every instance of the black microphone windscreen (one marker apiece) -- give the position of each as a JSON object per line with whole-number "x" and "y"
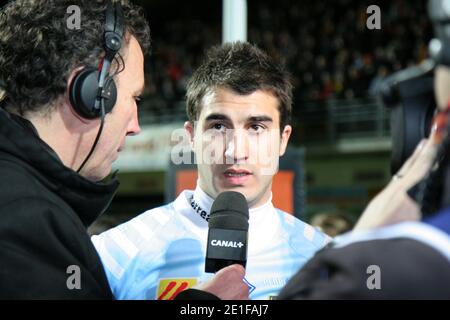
{"x": 228, "y": 232}
{"x": 229, "y": 211}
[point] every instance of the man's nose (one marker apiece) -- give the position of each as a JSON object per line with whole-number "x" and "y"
{"x": 237, "y": 147}
{"x": 133, "y": 127}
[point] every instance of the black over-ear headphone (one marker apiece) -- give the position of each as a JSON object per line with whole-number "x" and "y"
{"x": 93, "y": 88}
{"x": 93, "y": 92}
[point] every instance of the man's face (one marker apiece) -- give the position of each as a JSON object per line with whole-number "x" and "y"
{"x": 122, "y": 121}
{"x": 237, "y": 143}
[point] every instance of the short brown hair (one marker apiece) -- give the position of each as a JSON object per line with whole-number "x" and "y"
{"x": 243, "y": 68}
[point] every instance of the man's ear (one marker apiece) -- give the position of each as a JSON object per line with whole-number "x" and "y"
{"x": 190, "y": 131}
{"x": 285, "y": 139}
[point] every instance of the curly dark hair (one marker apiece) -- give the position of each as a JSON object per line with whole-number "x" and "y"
{"x": 243, "y": 68}
{"x": 38, "y": 51}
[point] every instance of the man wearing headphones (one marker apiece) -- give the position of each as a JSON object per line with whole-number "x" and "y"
{"x": 71, "y": 101}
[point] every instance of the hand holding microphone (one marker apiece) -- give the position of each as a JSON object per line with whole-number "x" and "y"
{"x": 228, "y": 284}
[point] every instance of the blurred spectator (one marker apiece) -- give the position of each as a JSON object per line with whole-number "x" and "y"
{"x": 332, "y": 224}
{"x": 382, "y": 72}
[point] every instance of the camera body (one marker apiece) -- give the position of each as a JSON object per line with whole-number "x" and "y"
{"x": 409, "y": 94}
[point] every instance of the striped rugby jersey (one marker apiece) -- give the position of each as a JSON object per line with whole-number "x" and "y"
{"x": 162, "y": 251}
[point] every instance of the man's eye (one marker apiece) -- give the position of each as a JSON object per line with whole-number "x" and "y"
{"x": 138, "y": 100}
{"x": 257, "y": 128}
{"x": 218, "y": 126}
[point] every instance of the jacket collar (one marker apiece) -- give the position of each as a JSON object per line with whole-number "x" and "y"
{"x": 19, "y": 141}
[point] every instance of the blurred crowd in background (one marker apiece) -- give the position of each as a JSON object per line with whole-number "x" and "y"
{"x": 328, "y": 48}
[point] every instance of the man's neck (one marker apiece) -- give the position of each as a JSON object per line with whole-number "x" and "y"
{"x": 254, "y": 204}
{"x": 53, "y": 130}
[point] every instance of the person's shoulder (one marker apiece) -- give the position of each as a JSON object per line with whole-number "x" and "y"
{"x": 406, "y": 255}
{"x": 28, "y": 215}
{"x": 22, "y": 187}
{"x": 158, "y": 217}
{"x": 17, "y": 182}
{"x": 23, "y": 192}
{"x": 413, "y": 231}
{"x": 161, "y": 215}
{"x": 300, "y": 231}
{"x": 138, "y": 243}
{"x": 150, "y": 227}
{"x": 399, "y": 267}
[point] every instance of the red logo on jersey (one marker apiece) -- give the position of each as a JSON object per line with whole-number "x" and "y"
{"x": 169, "y": 288}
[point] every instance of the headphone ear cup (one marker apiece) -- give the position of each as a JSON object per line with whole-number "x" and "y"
{"x": 83, "y": 93}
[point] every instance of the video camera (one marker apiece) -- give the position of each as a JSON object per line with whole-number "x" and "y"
{"x": 410, "y": 95}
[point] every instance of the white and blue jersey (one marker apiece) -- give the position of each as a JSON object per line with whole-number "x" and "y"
{"x": 162, "y": 251}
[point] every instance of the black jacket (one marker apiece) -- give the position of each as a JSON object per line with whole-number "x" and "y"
{"x": 45, "y": 209}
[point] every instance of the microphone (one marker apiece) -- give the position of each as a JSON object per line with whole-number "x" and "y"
{"x": 228, "y": 232}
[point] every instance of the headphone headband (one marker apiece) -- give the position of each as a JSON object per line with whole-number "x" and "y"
{"x": 113, "y": 28}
